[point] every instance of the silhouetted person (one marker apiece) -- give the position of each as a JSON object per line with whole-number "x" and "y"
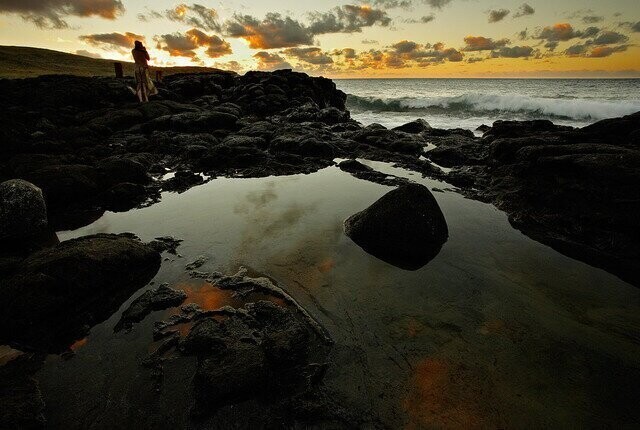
{"x": 144, "y": 84}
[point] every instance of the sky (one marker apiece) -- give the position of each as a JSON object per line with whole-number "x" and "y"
{"x": 356, "y": 39}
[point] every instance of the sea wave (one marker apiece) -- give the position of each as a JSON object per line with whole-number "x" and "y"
{"x": 576, "y": 109}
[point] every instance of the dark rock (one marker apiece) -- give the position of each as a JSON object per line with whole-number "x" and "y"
{"x": 522, "y": 128}
{"x": 20, "y": 397}
{"x": 417, "y": 126}
{"x": 118, "y": 169}
{"x": 124, "y": 196}
{"x": 182, "y": 181}
{"x": 158, "y": 299}
{"x": 405, "y": 227}
{"x": 23, "y": 212}
{"x": 165, "y": 244}
{"x": 261, "y": 352}
{"x": 64, "y": 184}
{"x": 366, "y": 173}
{"x": 456, "y": 150}
{"x": 57, "y": 292}
{"x": 441, "y": 132}
{"x": 483, "y": 128}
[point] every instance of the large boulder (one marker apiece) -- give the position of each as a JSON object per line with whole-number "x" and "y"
{"x": 23, "y": 212}
{"x": 405, "y": 227}
{"x": 56, "y": 293}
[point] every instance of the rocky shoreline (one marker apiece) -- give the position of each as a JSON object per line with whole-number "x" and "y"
{"x": 90, "y": 148}
{"x": 81, "y": 146}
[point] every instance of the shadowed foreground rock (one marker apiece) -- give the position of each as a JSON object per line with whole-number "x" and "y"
{"x": 405, "y": 227}
{"x": 23, "y": 212}
{"x": 573, "y": 189}
{"x": 55, "y": 294}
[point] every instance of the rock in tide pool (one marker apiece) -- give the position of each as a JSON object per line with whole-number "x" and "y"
{"x": 23, "y": 212}
{"x": 158, "y": 299}
{"x": 261, "y": 352}
{"x": 405, "y": 227}
{"x": 56, "y": 293}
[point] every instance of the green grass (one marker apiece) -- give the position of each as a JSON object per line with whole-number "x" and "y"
{"x": 27, "y": 62}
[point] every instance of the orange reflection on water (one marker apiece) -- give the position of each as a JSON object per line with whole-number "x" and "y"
{"x": 326, "y": 265}
{"x": 437, "y": 398}
{"x": 414, "y": 327}
{"x": 78, "y": 344}
{"x": 206, "y": 295}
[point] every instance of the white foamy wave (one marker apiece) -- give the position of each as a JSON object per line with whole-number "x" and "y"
{"x": 578, "y": 109}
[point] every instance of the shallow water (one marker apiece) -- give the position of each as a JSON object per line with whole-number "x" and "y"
{"x": 497, "y": 331}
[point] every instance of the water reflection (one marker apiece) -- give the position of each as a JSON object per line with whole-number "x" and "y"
{"x": 497, "y": 331}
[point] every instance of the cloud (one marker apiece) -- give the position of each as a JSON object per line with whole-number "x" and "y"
{"x": 605, "y": 51}
{"x": 85, "y": 53}
{"x": 308, "y": 55}
{"x": 423, "y": 20}
{"x": 274, "y": 31}
{"x": 480, "y": 43}
{"x": 228, "y": 65}
{"x": 347, "y": 19}
{"x": 498, "y": 15}
{"x": 348, "y": 53}
{"x": 185, "y": 45}
{"x": 369, "y": 42}
{"x": 513, "y": 52}
{"x": 407, "y": 50}
{"x": 112, "y": 40}
{"x": 277, "y": 31}
{"x": 437, "y": 4}
{"x": 636, "y": 27}
{"x": 552, "y": 45}
{"x": 582, "y": 50}
{"x": 52, "y": 13}
{"x": 589, "y": 32}
{"x": 609, "y": 38}
{"x": 524, "y": 10}
{"x": 267, "y": 61}
{"x": 196, "y": 16}
{"x": 576, "y": 50}
{"x": 563, "y": 32}
{"x": 592, "y": 19}
{"x": 391, "y": 4}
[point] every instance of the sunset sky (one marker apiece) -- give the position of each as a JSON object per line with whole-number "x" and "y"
{"x": 381, "y": 38}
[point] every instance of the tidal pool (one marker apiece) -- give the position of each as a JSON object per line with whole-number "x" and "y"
{"x": 496, "y": 331}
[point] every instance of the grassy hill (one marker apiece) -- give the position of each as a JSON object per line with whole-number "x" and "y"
{"x": 26, "y": 62}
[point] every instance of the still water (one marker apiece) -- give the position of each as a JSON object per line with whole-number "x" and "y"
{"x": 497, "y": 331}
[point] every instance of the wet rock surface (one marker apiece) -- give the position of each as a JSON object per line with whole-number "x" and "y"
{"x": 572, "y": 189}
{"x": 405, "y": 227}
{"x": 23, "y": 212}
{"x": 112, "y": 154}
{"x": 157, "y": 299}
{"x": 22, "y": 404}
{"x": 51, "y": 297}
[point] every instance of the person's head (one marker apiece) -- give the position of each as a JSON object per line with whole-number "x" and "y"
{"x": 138, "y": 45}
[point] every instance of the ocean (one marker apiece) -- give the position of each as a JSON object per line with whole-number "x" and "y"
{"x": 469, "y": 103}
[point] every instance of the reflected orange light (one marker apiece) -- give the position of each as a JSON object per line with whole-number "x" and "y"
{"x": 326, "y": 265}
{"x": 437, "y": 398}
{"x": 78, "y": 344}
{"x": 207, "y": 296}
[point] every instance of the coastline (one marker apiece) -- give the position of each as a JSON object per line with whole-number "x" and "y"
{"x": 91, "y": 149}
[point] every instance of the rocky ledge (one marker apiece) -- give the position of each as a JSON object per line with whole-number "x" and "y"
{"x": 90, "y": 147}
